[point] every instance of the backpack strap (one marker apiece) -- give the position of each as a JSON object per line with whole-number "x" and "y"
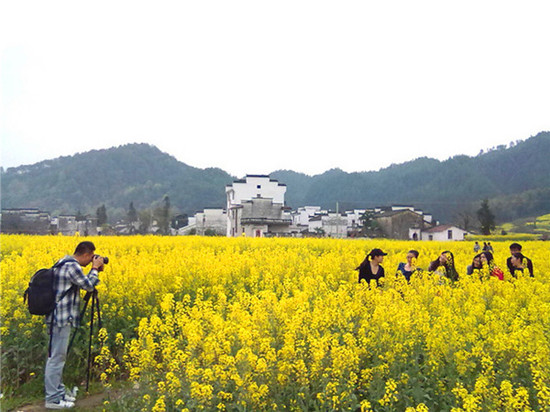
{"x": 57, "y": 266}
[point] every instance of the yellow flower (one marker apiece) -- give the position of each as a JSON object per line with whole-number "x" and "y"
{"x": 213, "y": 323}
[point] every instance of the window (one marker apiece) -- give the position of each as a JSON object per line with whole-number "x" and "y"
{"x": 431, "y": 237}
{"x": 449, "y": 234}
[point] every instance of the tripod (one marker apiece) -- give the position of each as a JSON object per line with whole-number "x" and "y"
{"x": 94, "y": 309}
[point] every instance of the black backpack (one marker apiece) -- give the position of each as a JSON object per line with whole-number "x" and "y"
{"x": 40, "y": 295}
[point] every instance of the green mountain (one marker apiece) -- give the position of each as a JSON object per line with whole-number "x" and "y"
{"x": 137, "y": 173}
{"x": 516, "y": 179}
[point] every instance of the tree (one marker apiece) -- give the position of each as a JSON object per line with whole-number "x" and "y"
{"x": 320, "y": 231}
{"x": 162, "y": 215}
{"x": 371, "y": 227}
{"x": 79, "y": 216}
{"x": 465, "y": 219}
{"x": 132, "y": 213}
{"x": 101, "y": 214}
{"x": 145, "y": 219}
{"x": 486, "y": 218}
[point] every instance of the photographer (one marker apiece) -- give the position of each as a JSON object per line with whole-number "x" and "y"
{"x": 69, "y": 279}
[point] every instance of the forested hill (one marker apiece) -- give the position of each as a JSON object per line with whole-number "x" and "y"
{"x": 138, "y": 173}
{"x": 516, "y": 178}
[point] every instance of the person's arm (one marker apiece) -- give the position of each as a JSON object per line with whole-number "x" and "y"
{"x": 86, "y": 282}
{"x": 530, "y": 267}
{"x": 509, "y": 264}
{"x": 400, "y": 269}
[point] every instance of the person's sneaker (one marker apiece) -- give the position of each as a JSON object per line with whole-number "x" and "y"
{"x": 70, "y": 396}
{"x": 62, "y": 404}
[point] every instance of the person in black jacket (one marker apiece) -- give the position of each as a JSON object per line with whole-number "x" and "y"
{"x": 526, "y": 262}
{"x": 370, "y": 268}
{"x": 519, "y": 263}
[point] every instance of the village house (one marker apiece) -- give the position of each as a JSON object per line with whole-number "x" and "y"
{"x": 35, "y": 222}
{"x": 256, "y": 207}
{"x": 127, "y": 228}
{"x": 68, "y": 225}
{"x": 301, "y": 216}
{"x": 261, "y": 217}
{"x": 30, "y": 221}
{"x": 335, "y": 225}
{"x": 355, "y": 222}
{"x": 312, "y": 220}
{"x": 444, "y": 233}
{"x": 211, "y": 221}
{"x": 402, "y": 222}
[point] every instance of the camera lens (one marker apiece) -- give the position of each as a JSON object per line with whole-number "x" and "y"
{"x": 105, "y": 259}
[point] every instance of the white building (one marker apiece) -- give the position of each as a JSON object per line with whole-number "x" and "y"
{"x": 444, "y": 233}
{"x": 211, "y": 221}
{"x": 189, "y": 229}
{"x": 301, "y": 216}
{"x": 315, "y": 224}
{"x": 354, "y": 218}
{"x": 260, "y": 201}
{"x": 335, "y": 225}
{"x": 254, "y": 186}
{"x": 262, "y": 217}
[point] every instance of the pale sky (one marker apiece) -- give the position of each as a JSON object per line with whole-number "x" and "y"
{"x": 257, "y": 86}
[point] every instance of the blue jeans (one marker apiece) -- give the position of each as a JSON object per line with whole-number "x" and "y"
{"x": 53, "y": 376}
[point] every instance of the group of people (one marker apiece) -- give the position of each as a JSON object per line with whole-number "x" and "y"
{"x": 487, "y": 247}
{"x": 483, "y": 264}
{"x": 516, "y": 263}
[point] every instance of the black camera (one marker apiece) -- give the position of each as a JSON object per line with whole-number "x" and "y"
{"x": 105, "y": 259}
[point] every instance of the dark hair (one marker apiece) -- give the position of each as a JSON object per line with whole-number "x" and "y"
{"x": 450, "y": 269}
{"x": 363, "y": 263}
{"x": 515, "y": 246}
{"x": 414, "y": 252}
{"x": 474, "y": 259}
{"x": 371, "y": 254}
{"x": 84, "y": 247}
{"x": 488, "y": 255}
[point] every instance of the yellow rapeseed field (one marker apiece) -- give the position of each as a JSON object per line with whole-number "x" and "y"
{"x": 197, "y": 323}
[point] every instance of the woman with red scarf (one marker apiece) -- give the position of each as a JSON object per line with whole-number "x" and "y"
{"x": 488, "y": 262}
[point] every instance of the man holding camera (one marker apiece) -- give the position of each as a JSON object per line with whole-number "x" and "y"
{"x": 69, "y": 279}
